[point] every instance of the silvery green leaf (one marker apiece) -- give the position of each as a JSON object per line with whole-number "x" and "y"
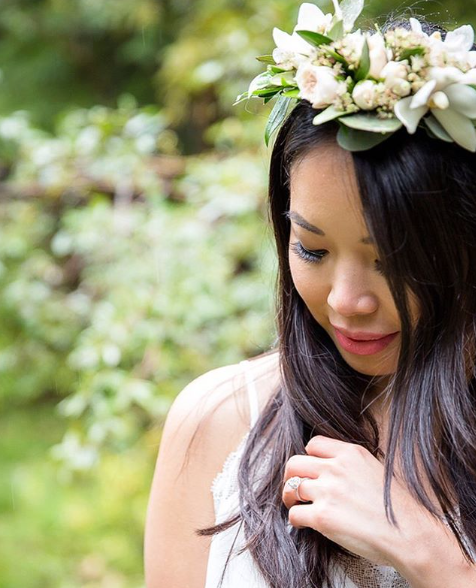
{"x": 364, "y": 65}
{"x": 436, "y": 128}
{"x": 371, "y": 124}
{"x": 353, "y": 140}
{"x": 337, "y": 30}
{"x": 266, "y": 59}
{"x": 462, "y": 99}
{"x": 351, "y": 10}
{"x": 315, "y": 39}
{"x": 330, "y": 113}
{"x": 458, "y": 126}
{"x": 260, "y": 81}
{"x": 278, "y": 114}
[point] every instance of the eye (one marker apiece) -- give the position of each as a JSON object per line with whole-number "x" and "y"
{"x": 378, "y": 267}
{"x": 317, "y": 256}
{"x": 306, "y": 255}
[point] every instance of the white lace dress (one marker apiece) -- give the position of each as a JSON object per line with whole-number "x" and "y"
{"x": 242, "y": 572}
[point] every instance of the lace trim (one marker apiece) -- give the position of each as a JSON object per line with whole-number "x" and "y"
{"x": 225, "y": 482}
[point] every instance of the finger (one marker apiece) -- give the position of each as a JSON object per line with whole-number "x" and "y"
{"x": 303, "y": 493}
{"x": 305, "y": 466}
{"x": 325, "y": 447}
{"x": 300, "y": 516}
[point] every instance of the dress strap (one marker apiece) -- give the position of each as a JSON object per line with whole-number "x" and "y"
{"x": 252, "y": 393}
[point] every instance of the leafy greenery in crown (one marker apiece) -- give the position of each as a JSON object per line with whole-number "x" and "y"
{"x": 372, "y": 83}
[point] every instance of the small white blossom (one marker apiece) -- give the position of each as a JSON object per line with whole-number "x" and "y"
{"x": 455, "y": 49}
{"x": 351, "y": 46}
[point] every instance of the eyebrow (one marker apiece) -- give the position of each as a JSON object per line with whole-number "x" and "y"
{"x": 302, "y": 222}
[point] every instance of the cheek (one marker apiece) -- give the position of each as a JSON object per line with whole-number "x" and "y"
{"x": 311, "y": 290}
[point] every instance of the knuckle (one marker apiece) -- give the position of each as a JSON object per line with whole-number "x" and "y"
{"x": 291, "y": 466}
{"x": 322, "y": 516}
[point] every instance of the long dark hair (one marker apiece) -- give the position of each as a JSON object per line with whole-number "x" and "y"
{"x": 418, "y": 197}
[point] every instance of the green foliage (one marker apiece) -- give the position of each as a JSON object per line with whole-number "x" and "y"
{"x": 122, "y": 293}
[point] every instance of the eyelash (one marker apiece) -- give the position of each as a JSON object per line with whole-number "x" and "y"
{"x": 317, "y": 256}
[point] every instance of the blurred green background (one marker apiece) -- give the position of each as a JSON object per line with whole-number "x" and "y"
{"x": 135, "y": 254}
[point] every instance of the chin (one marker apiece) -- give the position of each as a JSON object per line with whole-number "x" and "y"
{"x": 366, "y": 368}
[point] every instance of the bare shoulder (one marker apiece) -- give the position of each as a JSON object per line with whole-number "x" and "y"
{"x": 217, "y": 401}
{"x": 206, "y": 422}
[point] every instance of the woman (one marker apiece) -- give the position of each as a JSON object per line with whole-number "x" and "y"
{"x": 359, "y": 468}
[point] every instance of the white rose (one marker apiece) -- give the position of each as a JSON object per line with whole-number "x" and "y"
{"x": 365, "y": 95}
{"x": 318, "y": 84}
{"x": 378, "y": 54}
{"x": 395, "y": 75}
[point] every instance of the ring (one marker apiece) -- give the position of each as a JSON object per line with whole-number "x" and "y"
{"x": 294, "y": 483}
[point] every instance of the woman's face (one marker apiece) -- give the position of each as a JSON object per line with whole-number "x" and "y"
{"x": 334, "y": 263}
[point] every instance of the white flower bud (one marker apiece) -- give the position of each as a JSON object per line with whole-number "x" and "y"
{"x": 394, "y": 71}
{"x": 365, "y": 95}
{"x": 439, "y": 100}
{"x": 378, "y": 54}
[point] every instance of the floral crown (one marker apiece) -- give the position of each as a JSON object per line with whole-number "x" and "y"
{"x": 371, "y": 83}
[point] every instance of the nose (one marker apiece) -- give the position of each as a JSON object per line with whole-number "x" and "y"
{"x": 350, "y": 294}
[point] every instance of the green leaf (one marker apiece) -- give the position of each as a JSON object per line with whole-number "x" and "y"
{"x": 293, "y": 93}
{"x": 278, "y": 114}
{"x": 372, "y": 124}
{"x": 351, "y": 10}
{"x": 266, "y": 59}
{"x": 335, "y": 55}
{"x": 337, "y": 31}
{"x": 407, "y": 53}
{"x": 274, "y": 69}
{"x": 353, "y": 140}
{"x": 264, "y": 92}
{"x": 436, "y": 129}
{"x": 330, "y": 113}
{"x": 315, "y": 39}
{"x": 364, "y": 65}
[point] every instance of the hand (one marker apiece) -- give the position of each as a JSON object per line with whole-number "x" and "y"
{"x": 345, "y": 502}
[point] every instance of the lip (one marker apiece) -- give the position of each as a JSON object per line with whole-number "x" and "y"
{"x": 368, "y": 346}
{"x": 362, "y": 335}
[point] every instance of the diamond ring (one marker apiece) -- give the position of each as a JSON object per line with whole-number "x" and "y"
{"x": 294, "y": 483}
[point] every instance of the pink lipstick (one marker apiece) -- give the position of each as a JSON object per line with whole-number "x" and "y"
{"x": 373, "y": 343}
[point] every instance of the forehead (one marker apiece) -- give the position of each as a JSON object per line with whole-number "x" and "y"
{"x": 323, "y": 184}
